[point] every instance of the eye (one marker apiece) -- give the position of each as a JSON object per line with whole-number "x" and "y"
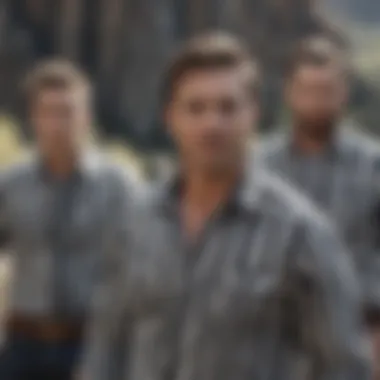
{"x": 227, "y": 106}
{"x": 196, "y": 107}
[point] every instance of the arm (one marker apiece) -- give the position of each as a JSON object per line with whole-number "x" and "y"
{"x": 109, "y": 322}
{"x": 369, "y": 267}
{"x": 332, "y": 327}
{"x": 106, "y": 333}
{"x": 369, "y": 263}
{"x": 368, "y": 259}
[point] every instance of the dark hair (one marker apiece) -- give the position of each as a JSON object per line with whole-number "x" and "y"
{"x": 318, "y": 51}
{"x": 55, "y": 75}
{"x": 208, "y": 52}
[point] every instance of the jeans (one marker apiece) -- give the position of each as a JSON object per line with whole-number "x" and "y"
{"x": 26, "y": 359}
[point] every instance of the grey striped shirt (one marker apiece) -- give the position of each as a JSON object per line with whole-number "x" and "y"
{"x": 345, "y": 181}
{"x": 267, "y": 293}
{"x": 50, "y": 250}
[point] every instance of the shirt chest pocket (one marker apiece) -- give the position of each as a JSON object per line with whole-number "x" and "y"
{"x": 27, "y": 217}
{"x": 154, "y": 288}
{"x": 250, "y": 299}
{"x": 247, "y": 289}
{"x": 87, "y": 220}
{"x": 155, "y": 280}
{"x": 86, "y": 226}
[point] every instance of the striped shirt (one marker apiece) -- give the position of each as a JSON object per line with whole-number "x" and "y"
{"x": 57, "y": 232}
{"x": 344, "y": 181}
{"x": 267, "y": 290}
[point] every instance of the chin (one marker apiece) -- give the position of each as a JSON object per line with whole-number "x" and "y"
{"x": 319, "y": 126}
{"x": 216, "y": 168}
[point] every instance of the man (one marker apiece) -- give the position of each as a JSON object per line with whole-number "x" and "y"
{"x": 59, "y": 210}
{"x": 337, "y": 167}
{"x": 231, "y": 274}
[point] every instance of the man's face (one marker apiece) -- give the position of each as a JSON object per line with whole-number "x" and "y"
{"x": 316, "y": 96}
{"x": 59, "y": 119}
{"x": 210, "y": 118}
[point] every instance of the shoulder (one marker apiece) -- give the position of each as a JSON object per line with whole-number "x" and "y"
{"x": 364, "y": 151}
{"x": 314, "y": 241}
{"x": 369, "y": 147}
{"x": 272, "y": 142}
{"x": 362, "y": 146}
{"x": 311, "y": 230}
{"x": 270, "y": 146}
{"x": 117, "y": 178}
{"x": 281, "y": 198}
{"x": 17, "y": 174}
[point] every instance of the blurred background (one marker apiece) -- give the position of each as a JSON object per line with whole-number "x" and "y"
{"x": 124, "y": 44}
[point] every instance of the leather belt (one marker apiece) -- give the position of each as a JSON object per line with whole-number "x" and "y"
{"x": 44, "y": 329}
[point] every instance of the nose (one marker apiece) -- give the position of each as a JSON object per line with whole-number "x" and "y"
{"x": 213, "y": 120}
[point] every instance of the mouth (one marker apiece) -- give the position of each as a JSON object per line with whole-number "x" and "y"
{"x": 213, "y": 143}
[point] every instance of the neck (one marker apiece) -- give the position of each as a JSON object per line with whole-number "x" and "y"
{"x": 312, "y": 143}
{"x": 61, "y": 166}
{"x": 206, "y": 192}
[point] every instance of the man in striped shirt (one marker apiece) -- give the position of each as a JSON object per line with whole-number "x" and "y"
{"x": 58, "y": 211}
{"x": 231, "y": 274}
{"x": 336, "y": 167}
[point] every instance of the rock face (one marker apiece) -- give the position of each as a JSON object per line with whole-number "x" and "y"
{"x": 124, "y": 44}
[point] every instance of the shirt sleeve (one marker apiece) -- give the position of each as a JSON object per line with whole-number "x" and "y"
{"x": 331, "y": 328}
{"x": 106, "y": 345}
{"x": 369, "y": 261}
{"x": 104, "y": 353}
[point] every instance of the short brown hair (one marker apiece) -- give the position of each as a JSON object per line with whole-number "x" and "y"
{"x": 207, "y": 52}
{"x": 318, "y": 51}
{"x": 55, "y": 75}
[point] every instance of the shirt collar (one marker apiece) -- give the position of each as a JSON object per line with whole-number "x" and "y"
{"x": 243, "y": 198}
{"x": 336, "y": 147}
{"x": 85, "y": 166}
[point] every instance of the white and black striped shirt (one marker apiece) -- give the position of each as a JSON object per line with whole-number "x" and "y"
{"x": 267, "y": 286}
{"x": 58, "y": 231}
{"x": 344, "y": 181}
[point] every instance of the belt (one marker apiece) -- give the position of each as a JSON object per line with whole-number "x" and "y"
{"x": 44, "y": 329}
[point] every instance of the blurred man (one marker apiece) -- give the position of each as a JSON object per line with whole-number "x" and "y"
{"x": 59, "y": 210}
{"x": 338, "y": 168}
{"x": 233, "y": 275}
